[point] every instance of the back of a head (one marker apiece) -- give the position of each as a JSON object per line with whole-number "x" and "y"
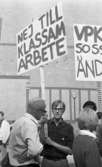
{"x": 2, "y": 113}
{"x": 87, "y": 120}
{"x": 1, "y": 116}
{"x": 36, "y": 104}
{"x": 90, "y": 105}
{"x": 99, "y": 114}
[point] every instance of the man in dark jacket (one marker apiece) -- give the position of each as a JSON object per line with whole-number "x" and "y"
{"x": 58, "y": 138}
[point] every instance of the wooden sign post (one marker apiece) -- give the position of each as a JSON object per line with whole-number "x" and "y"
{"x": 42, "y": 81}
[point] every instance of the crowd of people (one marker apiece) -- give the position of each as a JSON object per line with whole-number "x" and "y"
{"x": 36, "y": 141}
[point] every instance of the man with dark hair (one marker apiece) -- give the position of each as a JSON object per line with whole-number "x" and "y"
{"x": 24, "y": 143}
{"x": 99, "y": 114}
{"x": 58, "y": 138}
{"x": 2, "y": 113}
{"x": 90, "y": 104}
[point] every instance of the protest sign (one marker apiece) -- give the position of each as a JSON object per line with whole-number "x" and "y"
{"x": 41, "y": 42}
{"x": 88, "y": 52}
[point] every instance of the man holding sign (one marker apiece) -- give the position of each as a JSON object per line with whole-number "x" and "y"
{"x": 58, "y": 138}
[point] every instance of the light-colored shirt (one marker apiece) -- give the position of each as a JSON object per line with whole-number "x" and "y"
{"x": 24, "y": 142}
{"x": 4, "y": 131}
{"x": 88, "y": 133}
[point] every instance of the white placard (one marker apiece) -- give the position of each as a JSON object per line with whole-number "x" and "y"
{"x": 88, "y": 52}
{"x": 43, "y": 41}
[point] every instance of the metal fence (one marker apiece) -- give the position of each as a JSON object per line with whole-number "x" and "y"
{"x": 73, "y": 98}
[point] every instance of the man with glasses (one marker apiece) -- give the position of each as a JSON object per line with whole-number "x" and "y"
{"x": 58, "y": 138}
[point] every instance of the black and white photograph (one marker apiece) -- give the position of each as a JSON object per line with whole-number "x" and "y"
{"x": 50, "y": 83}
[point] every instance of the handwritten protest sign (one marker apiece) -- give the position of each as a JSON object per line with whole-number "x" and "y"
{"x": 42, "y": 41}
{"x": 88, "y": 52}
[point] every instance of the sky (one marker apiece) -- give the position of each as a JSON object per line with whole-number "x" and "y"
{"x": 17, "y": 14}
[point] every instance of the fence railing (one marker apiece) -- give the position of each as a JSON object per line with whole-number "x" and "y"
{"x": 73, "y": 98}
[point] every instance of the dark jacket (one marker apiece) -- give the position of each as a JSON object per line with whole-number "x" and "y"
{"x": 85, "y": 151}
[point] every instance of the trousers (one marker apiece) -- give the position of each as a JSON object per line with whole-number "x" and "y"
{"x": 52, "y": 163}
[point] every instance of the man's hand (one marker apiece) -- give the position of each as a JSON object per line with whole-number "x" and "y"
{"x": 43, "y": 119}
{"x": 49, "y": 141}
{"x": 65, "y": 149}
{"x": 38, "y": 159}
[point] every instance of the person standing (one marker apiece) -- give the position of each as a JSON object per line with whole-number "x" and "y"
{"x": 4, "y": 135}
{"x": 99, "y": 132}
{"x": 24, "y": 143}
{"x": 85, "y": 149}
{"x": 58, "y": 138}
{"x": 4, "y": 129}
{"x": 89, "y": 106}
